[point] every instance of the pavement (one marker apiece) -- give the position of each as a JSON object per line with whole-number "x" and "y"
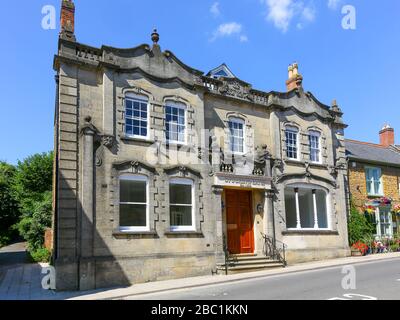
{"x": 375, "y": 280}
{"x": 22, "y": 280}
{"x": 169, "y": 287}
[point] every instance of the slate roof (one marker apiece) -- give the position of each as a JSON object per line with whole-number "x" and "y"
{"x": 358, "y": 150}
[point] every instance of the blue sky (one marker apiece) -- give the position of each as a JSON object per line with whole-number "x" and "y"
{"x": 258, "y": 39}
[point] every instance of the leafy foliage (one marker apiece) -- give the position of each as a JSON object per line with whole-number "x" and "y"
{"x": 32, "y": 180}
{"x": 40, "y": 255}
{"x": 34, "y": 223}
{"x": 359, "y": 227}
{"x": 9, "y": 211}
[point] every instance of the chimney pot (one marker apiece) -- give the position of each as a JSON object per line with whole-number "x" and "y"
{"x": 387, "y": 136}
{"x": 295, "y": 79}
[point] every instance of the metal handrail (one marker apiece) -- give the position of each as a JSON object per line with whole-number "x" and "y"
{"x": 275, "y": 249}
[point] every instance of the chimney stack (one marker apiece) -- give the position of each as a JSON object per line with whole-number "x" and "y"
{"x": 295, "y": 80}
{"x": 387, "y": 136}
{"x": 67, "y": 20}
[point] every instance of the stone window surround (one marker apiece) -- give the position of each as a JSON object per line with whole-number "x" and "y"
{"x": 157, "y": 210}
{"x": 331, "y": 209}
{"x": 303, "y": 144}
{"x": 313, "y": 188}
{"x": 154, "y": 131}
{"x": 136, "y": 177}
{"x": 187, "y": 182}
{"x": 121, "y": 113}
{"x": 138, "y": 137}
{"x": 316, "y": 134}
{"x": 133, "y": 168}
{"x": 183, "y": 173}
{"x": 248, "y": 134}
{"x": 189, "y": 119}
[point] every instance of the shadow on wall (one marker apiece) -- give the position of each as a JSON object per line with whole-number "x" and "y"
{"x": 76, "y": 241}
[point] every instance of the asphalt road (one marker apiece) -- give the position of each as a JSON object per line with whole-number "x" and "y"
{"x": 373, "y": 281}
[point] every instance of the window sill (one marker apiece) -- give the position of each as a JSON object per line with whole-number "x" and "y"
{"x": 134, "y": 234}
{"x": 184, "y": 234}
{"x": 137, "y": 139}
{"x": 302, "y": 162}
{"x": 310, "y": 232}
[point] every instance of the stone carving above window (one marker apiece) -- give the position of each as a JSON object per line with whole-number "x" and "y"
{"x": 235, "y": 89}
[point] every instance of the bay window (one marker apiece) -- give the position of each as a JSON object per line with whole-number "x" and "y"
{"x": 181, "y": 193}
{"x": 133, "y": 203}
{"x": 306, "y": 208}
{"x": 136, "y": 116}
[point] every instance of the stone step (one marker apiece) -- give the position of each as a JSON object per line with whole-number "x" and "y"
{"x": 253, "y": 262}
{"x": 249, "y": 258}
{"x": 251, "y": 267}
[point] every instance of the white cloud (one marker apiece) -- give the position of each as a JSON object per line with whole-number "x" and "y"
{"x": 333, "y": 4}
{"x": 282, "y": 12}
{"x": 215, "y": 9}
{"x": 229, "y": 30}
{"x": 308, "y": 14}
{"x": 243, "y": 38}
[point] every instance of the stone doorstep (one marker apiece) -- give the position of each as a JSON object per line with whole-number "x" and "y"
{"x": 196, "y": 282}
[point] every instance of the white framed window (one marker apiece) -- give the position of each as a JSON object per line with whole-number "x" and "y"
{"x": 307, "y": 208}
{"x": 137, "y": 116}
{"x": 374, "y": 181}
{"x": 315, "y": 146}
{"x": 175, "y": 122}
{"x": 236, "y": 135}
{"x": 292, "y": 143}
{"x": 182, "y": 205}
{"x": 384, "y": 222}
{"x": 134, "y": 203}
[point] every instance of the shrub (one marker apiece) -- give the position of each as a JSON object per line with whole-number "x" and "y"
{"x": 358, "y": 226}
{"x": 40, "y": 255}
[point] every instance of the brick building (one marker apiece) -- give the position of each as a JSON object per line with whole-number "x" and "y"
{"x": 163, "y": 171}
{"x": 374, "y": 180}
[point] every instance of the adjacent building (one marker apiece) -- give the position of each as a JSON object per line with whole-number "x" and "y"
{"x": 374, "y": 181}
{"x": 162, "y": 171}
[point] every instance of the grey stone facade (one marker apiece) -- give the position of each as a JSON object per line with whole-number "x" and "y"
{"x": 93, "y": 151}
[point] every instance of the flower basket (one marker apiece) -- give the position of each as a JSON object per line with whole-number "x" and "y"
{"x": 359, "y": 249}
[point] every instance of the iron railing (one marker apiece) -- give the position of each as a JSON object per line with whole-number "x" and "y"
{"x": 275, "y": 249}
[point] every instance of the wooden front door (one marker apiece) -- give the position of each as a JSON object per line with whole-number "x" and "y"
{"x": 239, "y": 216}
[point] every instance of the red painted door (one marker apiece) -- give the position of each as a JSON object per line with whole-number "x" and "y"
{"x": 239, "y": 216}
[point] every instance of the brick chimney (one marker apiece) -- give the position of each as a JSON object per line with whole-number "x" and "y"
{"x": 67, "y": 20}
{"x": 387, "y": 136}
{"x": 295, "y": 79}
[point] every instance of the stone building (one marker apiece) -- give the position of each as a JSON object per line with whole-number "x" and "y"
{"x": 374, "y": 181}
{"x": 163, "y": 171}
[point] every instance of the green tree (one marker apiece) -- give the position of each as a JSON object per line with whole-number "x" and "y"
{"x": 32, "y": 180}
{"x": 33, "y": 224}
{"x": 9, "y": 212}
{"x": 32, "y": 188}
{"x": 359, "y": 227}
